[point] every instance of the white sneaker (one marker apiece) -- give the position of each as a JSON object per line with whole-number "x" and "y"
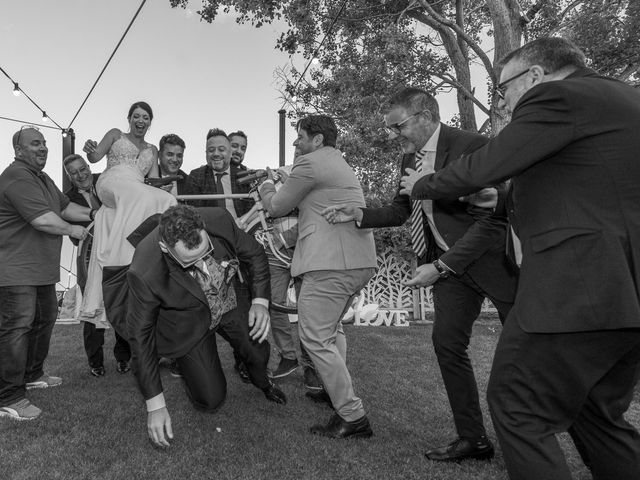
{"x": 21, "y": 410}
{"x": 45, "y": 381}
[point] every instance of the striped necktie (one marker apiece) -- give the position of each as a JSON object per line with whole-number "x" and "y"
{"x": 418, "y": 240}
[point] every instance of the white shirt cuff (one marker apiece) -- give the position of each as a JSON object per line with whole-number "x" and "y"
{"x": 447, "y": 267}
{"x": 260, "y": 301}
{"x": 156, "y": 403}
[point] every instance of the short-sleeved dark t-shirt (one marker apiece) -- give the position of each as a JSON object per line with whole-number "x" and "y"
{"x": 28, "y": 256}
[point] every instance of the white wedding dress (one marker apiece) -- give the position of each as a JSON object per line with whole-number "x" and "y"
{"x": 126, "y": 202}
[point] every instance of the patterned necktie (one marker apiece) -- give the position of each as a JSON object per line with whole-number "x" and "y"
{"x": 220, "y": 189}
{"x": 417, "y": 224}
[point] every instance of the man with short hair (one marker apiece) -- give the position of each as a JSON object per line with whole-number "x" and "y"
{"x": 180, "y": 291}
{"x": 569, "y": 354}
{"x": 335, "y": 261}
{"x": 33, "y": 214}
{"x": 460, "y": 249}
{"x": 219, "y": 176}
{"x": 238, "y": 142}
{"x": 83, "y": 192}
{"x": 170, "y": 157}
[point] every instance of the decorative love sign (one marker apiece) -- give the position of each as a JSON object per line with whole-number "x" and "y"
{"x": 389, "y": 317}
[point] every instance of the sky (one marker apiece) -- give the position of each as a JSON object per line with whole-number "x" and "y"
{"x": 195, "y": 76}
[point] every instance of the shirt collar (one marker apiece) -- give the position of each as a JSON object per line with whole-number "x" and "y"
{"x": 432, "y": 143}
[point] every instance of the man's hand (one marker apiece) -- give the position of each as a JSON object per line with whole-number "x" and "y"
{"x": 259, "y": 322}
{"x": 425, "y": 275}
{"x": 159, "y": 422}
{"x": 485, "y": 198}
{"x": 90, "y": 146}
{"x": 342, "y": 213}
{"x": 409, "y": 180}
{"x": 78, "y": 232}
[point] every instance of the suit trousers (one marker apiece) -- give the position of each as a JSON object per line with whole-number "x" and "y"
{"x": 93, "y": 338}
{"x": 280, "y": 326}
{"x": 234, "y": 328}
{"x": 580, "y": 382}
{"x": 202, "y": 375}
{"x": 27, "y": 316}
{"x": 324, "y": 297}
{"x": 457, "y": 303}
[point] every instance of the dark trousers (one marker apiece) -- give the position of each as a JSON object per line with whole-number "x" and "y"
{"x": 234, "y": 328}
{"x": 457, "y": 303}
{"x": 543, "y": 384}
{"x": 280, "y": 326}
{"x": 202, "y": 374}
{"x": 93, "y": 337}
{"x": 94, "y": 341}
{"x": 27, "y": 317}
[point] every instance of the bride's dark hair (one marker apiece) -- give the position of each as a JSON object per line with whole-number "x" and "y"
{"x": 144, "y": 106}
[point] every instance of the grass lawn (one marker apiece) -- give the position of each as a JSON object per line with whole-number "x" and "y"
{"x": 96, "y": 428}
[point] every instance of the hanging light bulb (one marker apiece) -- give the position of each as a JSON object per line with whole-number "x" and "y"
{"x": 294, "y": 98}
{"x": 44, "y": 116}
{"x": 315, "y": 61}
{"x": 16, "y": 89}
{"x": 64, "y": 133}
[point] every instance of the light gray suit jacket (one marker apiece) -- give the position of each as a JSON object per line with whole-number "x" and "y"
{"x": 317, "y": 180}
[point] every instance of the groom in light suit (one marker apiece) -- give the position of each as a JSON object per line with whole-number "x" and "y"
{"x": 336, "y": 261}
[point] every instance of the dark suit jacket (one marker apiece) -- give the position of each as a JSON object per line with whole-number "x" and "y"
{"x": 167, "y": 311}
{"x": 182, "y": 184}
{"x": 76, "y": 197}
{"x": 572, "y": 149}
{"x": 202, "y": 181}
{"x": 475, "y": 237}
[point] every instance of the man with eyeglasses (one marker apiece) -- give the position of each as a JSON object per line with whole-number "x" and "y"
{"x": 460, "y": 249}
{"x": 568, "y": 358}
{"x": 34, "y": 216}
{"x": 83, "y": 192}
{"x": 219, "y": 176}
{"x": 180, "y": 291}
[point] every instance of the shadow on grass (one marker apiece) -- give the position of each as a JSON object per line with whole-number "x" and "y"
{"x": 96, "y": 428}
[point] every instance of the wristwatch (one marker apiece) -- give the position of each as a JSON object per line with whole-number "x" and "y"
{"x": 442, "y": 271}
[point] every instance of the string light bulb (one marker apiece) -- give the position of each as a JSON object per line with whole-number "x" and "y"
{"x": 44, "y": 116}
{"x": 315, "y": 61}
{"x": 64, "y": 133}
{"x": 16, "y": 89}
{"x": 294, "y": 98}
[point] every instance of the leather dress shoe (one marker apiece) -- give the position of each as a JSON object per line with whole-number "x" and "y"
{"x": 274, "y": 394}
{"x": 241, "y": 368}
{"x": 320, "y": 396}
{"x": 123, "y": 367}
{"x": 478, "y": 448}
{"x": 340, "y": 428}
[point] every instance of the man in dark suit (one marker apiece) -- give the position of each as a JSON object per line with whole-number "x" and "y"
{"x": 238, "y": 142}
{"x": 170, "y": 158}
{"x": 569, "y": 355}
{"x": 83, "y": 193}
{"x": 180, "y": 290}
{"x": 460, "y": 250}
{"x": 219, "y": 176}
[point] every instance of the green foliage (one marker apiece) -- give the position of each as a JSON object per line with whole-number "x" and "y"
{"x": 376, "y": 47}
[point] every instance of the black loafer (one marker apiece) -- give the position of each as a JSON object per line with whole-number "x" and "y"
{"x": 241, "y": 368}
{"x": 479, "y": 448}
{"x": 123, "y": 367}
{"x": 340, "y": 428}
{"x": 275, "y": 395}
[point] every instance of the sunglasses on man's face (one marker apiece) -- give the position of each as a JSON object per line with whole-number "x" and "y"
{"x": 191, "y": 263}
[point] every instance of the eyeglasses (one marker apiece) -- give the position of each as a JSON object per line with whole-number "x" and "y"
{"x": 173, "y": 255}
{"x": 394, "y": 129}
{"x": 24, "y": 127}
{"x": 501, "y": 88}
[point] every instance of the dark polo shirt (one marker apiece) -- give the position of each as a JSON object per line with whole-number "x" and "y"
{"x": 28, "y": 256}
